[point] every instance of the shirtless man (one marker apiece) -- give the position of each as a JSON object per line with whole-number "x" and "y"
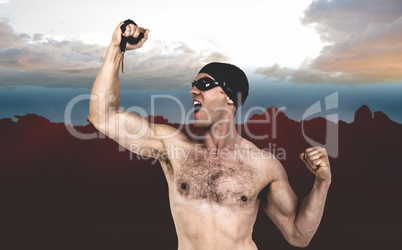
{"x": 216, "y": 186}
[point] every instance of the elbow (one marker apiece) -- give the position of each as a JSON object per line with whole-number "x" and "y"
{"x": 299, "y": 243}
{"x": 302, "y": 244}
{"x": 92, "y": 119}
{"x": 299, "y": 240}
{"x": 101, "y": 122}
{"x": 93, "y": 116}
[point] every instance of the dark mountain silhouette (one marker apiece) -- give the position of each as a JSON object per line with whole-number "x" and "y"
{"x": 60, "y": 192}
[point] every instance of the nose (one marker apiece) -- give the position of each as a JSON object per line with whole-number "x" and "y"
{"x": 195, "y": 91}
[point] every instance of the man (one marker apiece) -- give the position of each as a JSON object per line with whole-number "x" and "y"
{"x": 214, "y": 191}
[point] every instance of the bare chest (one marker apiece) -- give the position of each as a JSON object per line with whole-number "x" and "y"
{"x": 216, "y": 181}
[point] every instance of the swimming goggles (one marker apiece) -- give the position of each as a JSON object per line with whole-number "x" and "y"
{"x": 207, "y": 83}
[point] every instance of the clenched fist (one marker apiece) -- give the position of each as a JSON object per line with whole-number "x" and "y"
{"x": 131, "y": 30}
{"x": 316, "y": 160}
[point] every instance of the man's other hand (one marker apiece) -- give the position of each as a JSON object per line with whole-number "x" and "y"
{"x": 316, "y": 160}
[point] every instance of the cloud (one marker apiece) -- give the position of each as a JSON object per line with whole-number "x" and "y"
{"x": 370, "y": 56}
{"x": 365, "y": 44}
{"x": 304, "y": 74}
{"x": 9, "y": 38}
{"x": 162, "y": 69}
{"x": 44, "y": 61}
{"x": 52, "y": 56}
{"x": 336, "y": 19}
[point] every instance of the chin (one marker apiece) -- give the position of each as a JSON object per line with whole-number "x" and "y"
{"x": 201, "y": 124}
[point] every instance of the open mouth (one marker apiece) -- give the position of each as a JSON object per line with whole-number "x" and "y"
{"x": 197, "y": 106}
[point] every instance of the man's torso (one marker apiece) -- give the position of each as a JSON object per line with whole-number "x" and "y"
{"x": 214, "y": 196}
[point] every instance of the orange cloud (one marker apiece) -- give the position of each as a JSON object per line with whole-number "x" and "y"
{"x": 43, "y": 61}
{"x": 366, "y": 44}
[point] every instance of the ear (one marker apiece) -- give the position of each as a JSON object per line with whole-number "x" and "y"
{"x": 229, "y": 101}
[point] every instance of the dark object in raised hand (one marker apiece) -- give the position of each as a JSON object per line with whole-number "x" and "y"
{"x": 132, "y": 40}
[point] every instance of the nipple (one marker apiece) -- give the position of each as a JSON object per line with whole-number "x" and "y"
{"x": 183, "y": 186}
{"x": 244, "y": 198}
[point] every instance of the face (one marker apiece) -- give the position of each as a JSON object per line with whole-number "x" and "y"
{"x": 210, "y": 106}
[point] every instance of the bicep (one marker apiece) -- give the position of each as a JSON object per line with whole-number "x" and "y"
{"x": 136, "y": 134}
{"x": 280, "y": 202}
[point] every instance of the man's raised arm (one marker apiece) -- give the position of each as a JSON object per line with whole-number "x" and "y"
{"x": 104, "y": 111}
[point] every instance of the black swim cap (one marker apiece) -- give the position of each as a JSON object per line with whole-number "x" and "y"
{"x": 234, "y": 78}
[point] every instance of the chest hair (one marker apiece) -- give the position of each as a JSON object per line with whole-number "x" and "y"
{"x": 213, "y": 181}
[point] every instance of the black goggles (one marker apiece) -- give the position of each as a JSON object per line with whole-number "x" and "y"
{"x": 207, "y": 83}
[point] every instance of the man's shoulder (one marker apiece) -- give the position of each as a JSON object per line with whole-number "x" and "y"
{"x": 262, "y": 161}
{"x": 271, "y": 163}
{"x": 169, "y": 133}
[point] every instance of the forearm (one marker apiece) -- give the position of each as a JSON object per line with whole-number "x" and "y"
{"x": 106, "y": 88}
{"x": 311, "y": 211}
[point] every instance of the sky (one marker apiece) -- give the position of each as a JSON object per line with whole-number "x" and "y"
{"x": 294, "y": 52}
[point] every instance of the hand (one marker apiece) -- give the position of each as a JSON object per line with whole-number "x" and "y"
{"x": 131, "y": 30}
{"x": 316, "y": 160}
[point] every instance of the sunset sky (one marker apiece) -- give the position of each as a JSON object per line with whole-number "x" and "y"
{"x": 294, "y": 52}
